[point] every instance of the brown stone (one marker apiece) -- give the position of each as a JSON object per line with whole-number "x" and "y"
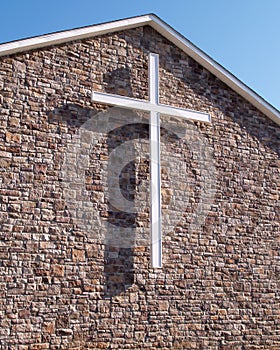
{"x": 4, "y": 163}
{"x": 58, "y": 270}
{"x": 13, "y": 138}
{"x": 78, "y": 255}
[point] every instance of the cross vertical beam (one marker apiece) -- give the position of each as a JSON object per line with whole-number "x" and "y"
{"x": 155, "y": 176}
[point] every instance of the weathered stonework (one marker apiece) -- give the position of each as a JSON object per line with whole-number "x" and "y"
{"x": 62, "y": 287}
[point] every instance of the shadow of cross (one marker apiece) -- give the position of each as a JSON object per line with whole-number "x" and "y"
{"x": 155, "y": 108}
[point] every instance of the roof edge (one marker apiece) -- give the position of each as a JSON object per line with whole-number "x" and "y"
{"x": 215, "y": 68}
{"x": 72, "y": 34}
{"x": 164, "y": 29}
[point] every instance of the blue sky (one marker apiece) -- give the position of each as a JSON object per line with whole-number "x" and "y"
{"x": 242, "y": 35}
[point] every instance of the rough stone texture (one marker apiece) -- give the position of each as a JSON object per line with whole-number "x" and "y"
{"x": 63, "y": 287}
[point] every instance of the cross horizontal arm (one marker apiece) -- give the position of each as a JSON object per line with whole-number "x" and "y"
{"x": 131, "y": 103}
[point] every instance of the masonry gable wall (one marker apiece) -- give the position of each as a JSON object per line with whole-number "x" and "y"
{"x": 65, "y": 286}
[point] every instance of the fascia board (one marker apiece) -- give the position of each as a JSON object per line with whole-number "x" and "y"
{"x": 74, "y": 34}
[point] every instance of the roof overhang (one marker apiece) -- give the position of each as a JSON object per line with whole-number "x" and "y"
{"x": 165, "y": 30}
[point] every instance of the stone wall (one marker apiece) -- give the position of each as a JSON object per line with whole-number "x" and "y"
{"x": 65, "y": 282}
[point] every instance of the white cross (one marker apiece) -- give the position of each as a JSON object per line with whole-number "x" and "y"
{"x": 155, "y": 108}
